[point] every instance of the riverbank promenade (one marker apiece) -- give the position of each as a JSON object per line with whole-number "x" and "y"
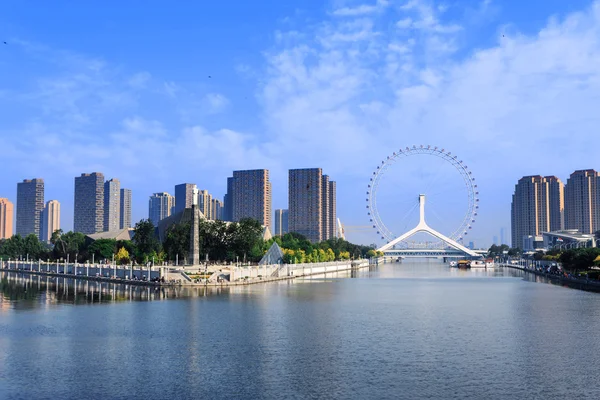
{"x": 199, "y": 275}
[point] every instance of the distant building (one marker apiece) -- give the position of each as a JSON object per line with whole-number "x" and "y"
{"x": 281, "y": 222}
{"x": 228, "y": 201}
{"x": 471, "y": 245}
{"x": 217, "y": 210}
{"x": 205, "y": 203}
{"x": 50, "y": 220}
{"x": 6, "y": 218}
{"x": 184, "y": 196}
{"x": 251, "y": 197}
{"x": 160, "y": 207}
{"x": 312, "y": 204}
{"x": 495, "y": 240}
{"x": 582, "y": 194}
{"x": 112, "y": 205}
{"x": 125, "y": 214}
{"x": 568, "y": 239}
{"x": 30, "y": 204}
{"x": 332, "y": 210}
{"x": 88, "y": 216}
{"x": 537, "y": 205}
{"x": 533, "y": 243}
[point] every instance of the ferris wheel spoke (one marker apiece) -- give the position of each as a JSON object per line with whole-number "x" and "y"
{"x": 441, "y": 195}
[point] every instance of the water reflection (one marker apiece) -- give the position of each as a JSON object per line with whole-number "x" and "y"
{"x": 24, "y": 291}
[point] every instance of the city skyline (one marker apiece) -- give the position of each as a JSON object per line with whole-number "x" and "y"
{"x": 276, "y": 108}
{"x": 221, "y": 207}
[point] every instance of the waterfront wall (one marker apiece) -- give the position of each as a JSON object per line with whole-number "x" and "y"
{"x": 283, "y": 271}
{"x": 86, "y": 270}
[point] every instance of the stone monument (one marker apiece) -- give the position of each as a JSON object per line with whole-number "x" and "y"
{"x": 195, "y": 233}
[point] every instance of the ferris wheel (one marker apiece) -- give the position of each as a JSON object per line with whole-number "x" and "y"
{"x": 469, "y": 196}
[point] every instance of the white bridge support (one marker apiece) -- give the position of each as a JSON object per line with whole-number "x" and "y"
{"x": 423, "y": 227}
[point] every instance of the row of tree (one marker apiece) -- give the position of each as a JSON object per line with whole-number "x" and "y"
{"x": 219, "y": 242}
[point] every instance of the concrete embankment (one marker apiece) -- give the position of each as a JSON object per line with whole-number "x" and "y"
{"x": 576, "y": 283}
{"x": 180, "y": 276}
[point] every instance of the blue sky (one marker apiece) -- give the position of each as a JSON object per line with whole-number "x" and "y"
{"x": 157, "y": 93}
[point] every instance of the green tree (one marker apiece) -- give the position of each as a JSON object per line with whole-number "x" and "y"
{"x": 70, "y": 243}
{"x": 103, "y": 249}
{"x": 177, "y": 242}
{"x": 145, "y": 240}
{"x": 579, "y": 259}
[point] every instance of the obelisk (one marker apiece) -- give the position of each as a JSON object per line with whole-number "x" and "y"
{"x": 194, "y": 258}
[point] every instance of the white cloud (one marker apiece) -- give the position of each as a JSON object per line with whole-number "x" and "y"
{"x": 525, "y": 105}
{"x": 215, "y": 103}
{"x": 362, "y": 9}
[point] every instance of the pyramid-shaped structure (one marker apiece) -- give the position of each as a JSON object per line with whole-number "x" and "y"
{"x": 273, "y": 256}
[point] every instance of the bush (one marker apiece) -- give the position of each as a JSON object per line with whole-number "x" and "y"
{"x": 593, "y": 274}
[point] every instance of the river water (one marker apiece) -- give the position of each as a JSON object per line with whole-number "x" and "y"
{"x": 397, "y": 331}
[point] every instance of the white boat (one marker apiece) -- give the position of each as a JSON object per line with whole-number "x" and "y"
{"x": 453, "y": 263}
{"x": 478, "y": 264}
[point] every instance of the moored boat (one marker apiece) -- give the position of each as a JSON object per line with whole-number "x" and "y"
{"x": 464, "y": 263}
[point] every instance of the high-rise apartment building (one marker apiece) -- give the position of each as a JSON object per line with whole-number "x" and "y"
{"x": 537, "y": 207}
{"x": 184, "y": 196}
{"x": 112, "y": 205}
{"x": 30, "y": 204}
{"x": 281, "y": 222}
{"x": 6, "y": 218}
{"x": 312, "y": 204}
{"x": 50, "y": 220}
{"x": 88, "y": 215}
{"x": 125, "y": 212}
{"x": 556, "y": 203}
{"x": 252, "y": 196}
{"x": 325, "y": 220}
{"x": 205, "y": 203}
{"x": 228, "y": 201}
{"x": 332, "y": 210}
{"x": 160, "y": 207}
{"x": 217, "y": 210}
{"x": 582, "y": 201}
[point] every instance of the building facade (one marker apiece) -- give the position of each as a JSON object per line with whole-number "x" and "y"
{"x": 281, "y": 222}
{"x": 88, "y": 215}
{"x": 582, "y": 201}
{"x": 251, "y": 197}
{"x": 184, "y": 196}
{"x": 537, "y": 207}
{"x": 125, "y": 211}
{"x": 228, "y": 201}
{"x": 50, "y": 220}
{"x": 112, "y": 205}
{"x": 312, "y": 204}
{"x": 30, "y": 204}
{"x": 7, "y": 211}
{"x": 332, "y": 210}
{"x": 205, "y": 203}
{"x": 217, "y": 210}
{"x": 160, "y": 207}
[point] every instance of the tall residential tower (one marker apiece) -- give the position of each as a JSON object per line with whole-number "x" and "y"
{"x": 88, "y": 216}
{"x": 125, "y": 214}
{"x": 112, "y": 205}
{"x": 312, "y": 204}
{"x": 160, "y": 207}
{"x": 30, "y": 204}
{"x": 251, "y": 196}
{"x": 582, "y": 200}
{"x": 537, "y": 207}
{"x": 184, "y": 196}
{"x": 6, "y": 218}
{"x": 50, "y": 220}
